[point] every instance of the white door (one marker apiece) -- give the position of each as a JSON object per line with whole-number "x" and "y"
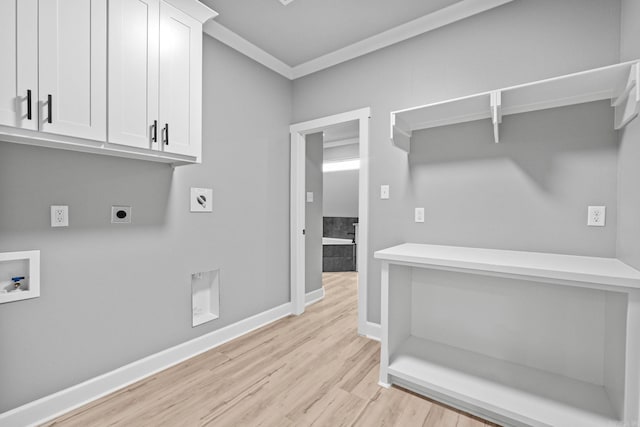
{"x": 133, "y": 72}
{"x": 19, "y": 70}
{"x": 73, "y": 68}
{"x": 180, "y": 81}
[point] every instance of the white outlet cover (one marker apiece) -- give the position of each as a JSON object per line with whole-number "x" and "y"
{"x": 201, "y": 199}
{"x": 419, "y": 215}
{"x": 596, "y": 216}
{"x": 309, "y": 196}
{"x": 120, "y": 214}
{"x": 384, "y": 192}
{"x": 59, "y": 216}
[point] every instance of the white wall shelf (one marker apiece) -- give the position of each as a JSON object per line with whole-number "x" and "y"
{"x": 492, "y": 383}
{"x": 19, "y": 264}
{"x": 619, "y": 83}
{"x": 582, "y": 271}
{"x": 520, "y": 338}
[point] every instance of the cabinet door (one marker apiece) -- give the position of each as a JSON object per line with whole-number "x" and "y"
{"x": 73, "y": 67}
{"x": 19, "y": 70}
{"x": 180, "y": 82}
{"x": 133, "y": 72}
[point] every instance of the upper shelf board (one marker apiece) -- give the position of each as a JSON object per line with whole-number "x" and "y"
{"x": 604, "y": 273}
{"x": 616, "y": 82}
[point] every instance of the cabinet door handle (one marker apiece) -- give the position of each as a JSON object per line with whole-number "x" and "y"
{"x": 49, "y": 109}
{"x": 154, "y": 136}
{"x": 166, "y": 134}
{"x": 29, "y": 112}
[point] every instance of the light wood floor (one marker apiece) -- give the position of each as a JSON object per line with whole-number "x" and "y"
{"x": 311, "y": 370}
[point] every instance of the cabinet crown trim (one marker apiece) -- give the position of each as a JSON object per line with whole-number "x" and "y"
{"x": 195, "y": 9}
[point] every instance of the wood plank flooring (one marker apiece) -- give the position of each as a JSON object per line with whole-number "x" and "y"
{"x": 311, "y": 370}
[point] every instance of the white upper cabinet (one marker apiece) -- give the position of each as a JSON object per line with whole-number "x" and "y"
{"x": 155, "y": 77}
{"x": 180, "y": 82}
{"x": 19, "y": 70}
{"x": 73, "y": 68}
{"x": 133, "y": 72}
{"x": 115, "y": 77}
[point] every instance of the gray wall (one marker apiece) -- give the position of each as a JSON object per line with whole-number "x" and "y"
{"x": 341, "y": 194}
{"x": 313, "y": 213}
{"x": 629, "y": 159}
{"x": 114, "y": 294}
{"x": 531, "y": 191}
{"x": 341, "y": 188}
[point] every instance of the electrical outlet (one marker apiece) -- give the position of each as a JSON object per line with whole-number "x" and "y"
{"x": 59, "y": 216}
{"x": 596, "y": 216}
{"x": 309, "y": 196}
{"x": 201, "y": 200}
{"x": 384, "y": 192}
{"x": 120, "y": 214}
{"x": 419, "y": 215}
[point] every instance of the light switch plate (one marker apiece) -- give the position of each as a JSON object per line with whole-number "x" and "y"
{"x": 309, "y": 196}
{"x": 419, "y": 215}
{"x": 201, "y": 199}
{"x": 59, "y": 216}
{"x": 596, "y": 216}
{"x": 384, "y": 192}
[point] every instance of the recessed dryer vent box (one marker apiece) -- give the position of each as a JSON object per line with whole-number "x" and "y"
{"x": 19, "y": 275}
{"x": 205, "y": 297}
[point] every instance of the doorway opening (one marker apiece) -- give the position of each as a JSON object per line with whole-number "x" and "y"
{"x": 344, "y": 135}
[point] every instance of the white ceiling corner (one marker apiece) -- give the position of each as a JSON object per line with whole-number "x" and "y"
{"x": 438, "y": 18}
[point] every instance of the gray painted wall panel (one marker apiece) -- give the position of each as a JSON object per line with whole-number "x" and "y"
{"x": 112, "y": 294}
{"x": 629, "y": 159}
{"x": 341, "y": 193}
{"x": 313, "y": 213}
{"x": 510, "y": 183}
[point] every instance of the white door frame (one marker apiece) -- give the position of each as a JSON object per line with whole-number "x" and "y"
{"x": 298, "y": 159}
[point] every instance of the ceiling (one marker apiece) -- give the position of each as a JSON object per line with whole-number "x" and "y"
{"x": 307, "y": 29}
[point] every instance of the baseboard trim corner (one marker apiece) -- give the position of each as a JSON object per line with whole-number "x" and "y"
{"x": 373, "y": 331}
{"x": 314, "y": 297}
{"x": 59, "y": 403}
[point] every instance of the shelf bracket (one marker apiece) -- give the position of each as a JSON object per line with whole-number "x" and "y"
{"x": 496, "y": 113}
{"x": 627, "y": 105}
{"x": 400, "y": 133}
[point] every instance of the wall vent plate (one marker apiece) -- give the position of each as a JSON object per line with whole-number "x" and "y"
{"x": 201, "y": 200}
{"x": 120, "y": 214}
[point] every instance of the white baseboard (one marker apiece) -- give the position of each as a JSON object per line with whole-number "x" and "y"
{"x": 314, "y": 297}
{"x": 54, "y": 405}
{"x": 372, "y": 331}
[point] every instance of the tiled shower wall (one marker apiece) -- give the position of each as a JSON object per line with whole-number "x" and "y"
{"x": 339, "y": 227}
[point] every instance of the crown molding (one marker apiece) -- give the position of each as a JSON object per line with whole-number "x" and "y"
{"x": 341, "y": 142}
{"x": 440, "y": 18}
{"x": 231, "y": 39}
